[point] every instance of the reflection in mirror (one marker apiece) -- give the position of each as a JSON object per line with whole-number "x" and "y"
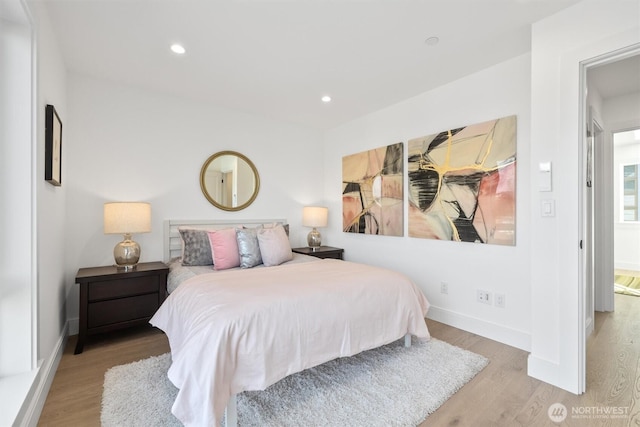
{"x": 229, "y": 180}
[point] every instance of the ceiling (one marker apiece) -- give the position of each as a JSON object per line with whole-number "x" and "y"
{"x": 616, "y": 78}
{"x": 277, "y": 58}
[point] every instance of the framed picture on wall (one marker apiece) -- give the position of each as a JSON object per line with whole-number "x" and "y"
{"x": 53, "y": 147}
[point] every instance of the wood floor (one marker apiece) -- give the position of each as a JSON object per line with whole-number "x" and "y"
{"x": 501, "y": 395}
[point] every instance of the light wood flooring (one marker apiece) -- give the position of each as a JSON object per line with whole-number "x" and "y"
{"x": 501, "y": 395}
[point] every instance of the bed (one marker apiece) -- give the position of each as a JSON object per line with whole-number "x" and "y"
{"x": 241, "y": 329}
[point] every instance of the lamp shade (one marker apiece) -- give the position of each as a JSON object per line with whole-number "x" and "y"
{"x": 314, "y": 216}
{"x": 127, "y": 217}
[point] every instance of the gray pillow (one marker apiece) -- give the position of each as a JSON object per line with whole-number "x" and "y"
{"x": 248, "y": 247}
{"x": 196, "y": 247}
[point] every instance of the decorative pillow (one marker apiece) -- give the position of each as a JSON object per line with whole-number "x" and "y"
{"x": 248, "y": 247}
{"x": 196, "y": 248}
{"x": 275, "y": 224}
{"x": 274, "y": 246}
{"x": 224, "y": 246}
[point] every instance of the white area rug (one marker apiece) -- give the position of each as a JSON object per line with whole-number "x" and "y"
{"x": 388, "y": 386}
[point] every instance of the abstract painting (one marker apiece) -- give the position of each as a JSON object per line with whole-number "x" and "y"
{"x": 462, "y": 184}
{"x": 373, "y": 191}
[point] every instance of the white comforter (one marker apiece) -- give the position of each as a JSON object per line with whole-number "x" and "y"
{"x": 245, "y": 330}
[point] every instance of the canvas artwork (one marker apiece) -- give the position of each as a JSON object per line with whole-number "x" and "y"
{"x": 462, "y": 184}
{"x": 373, "y": 191}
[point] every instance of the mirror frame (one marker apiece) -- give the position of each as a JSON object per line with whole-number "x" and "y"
{"x": 206, "y": 192}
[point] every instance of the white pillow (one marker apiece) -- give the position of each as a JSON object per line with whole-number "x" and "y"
{"x": 274, "y": 246}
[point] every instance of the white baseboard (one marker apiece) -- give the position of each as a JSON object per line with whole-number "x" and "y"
{"x": 32, "y": 408}
{"x": 552, "y": 373}
{"x": 589, "y": 327}
{"x": 542, "y": 369}
{"x": 494, "y": 331}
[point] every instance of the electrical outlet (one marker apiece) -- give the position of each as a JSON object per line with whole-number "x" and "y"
{"x": 483, "y": 296}
{"x": 500, "y": 300}
{"x": 444, "y": 288}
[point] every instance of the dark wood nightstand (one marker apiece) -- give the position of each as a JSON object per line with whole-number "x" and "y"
{"x": 111, "y": 298}
{"x": 321, "y": 252}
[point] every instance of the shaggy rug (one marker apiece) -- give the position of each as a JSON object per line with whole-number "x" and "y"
{"x": 389, "y": 386}
{"x": 627, "y": 285}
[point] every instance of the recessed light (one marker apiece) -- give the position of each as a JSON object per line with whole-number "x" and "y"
{"x": 178, "y": 48}
{"x": 432, "y": 41}
{"x": 326, "y": 99}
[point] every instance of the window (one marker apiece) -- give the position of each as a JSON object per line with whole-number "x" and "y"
{"x": 631, "y": 192}
{"x": 18, "y": 296}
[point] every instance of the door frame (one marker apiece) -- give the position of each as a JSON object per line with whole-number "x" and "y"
{"x": 603, "y": 209}
{"x": 603, "y": 217}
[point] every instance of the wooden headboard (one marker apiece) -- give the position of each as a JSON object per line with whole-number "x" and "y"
{"x": 173, "y": 242}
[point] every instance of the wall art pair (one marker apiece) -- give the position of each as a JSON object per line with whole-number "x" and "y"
{"x": 461, "y": 185}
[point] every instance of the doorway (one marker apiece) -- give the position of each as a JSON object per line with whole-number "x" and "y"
{"x": 610, "y": 105}
{"x": 626, "y": 197}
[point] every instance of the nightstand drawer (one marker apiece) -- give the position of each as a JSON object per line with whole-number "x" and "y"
{"x": 321, "y": 252}
{"x": 121, "y": 310}
{"x": 333, "y": 255}
{"x": 108, "y": 289}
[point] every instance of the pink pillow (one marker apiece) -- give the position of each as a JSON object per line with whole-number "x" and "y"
{"x": 225, "y": 247}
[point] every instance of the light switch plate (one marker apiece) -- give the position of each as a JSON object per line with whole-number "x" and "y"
{"x": 548, "y": 207}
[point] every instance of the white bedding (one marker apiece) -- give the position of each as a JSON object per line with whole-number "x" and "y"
{"x": 178, "y": 273}
{"x": 232, "y": 331}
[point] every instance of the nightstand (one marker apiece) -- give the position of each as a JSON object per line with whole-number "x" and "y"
{"x": 111, "y": 298}
{"x": 321, "y": 252}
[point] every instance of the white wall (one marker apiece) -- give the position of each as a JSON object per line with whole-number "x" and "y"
{"x": 559, "y": 44}
{"x": 51, "y": 200}
{"x": 126, "y": 144}
{"x": 499, "y": 91}
{"x": 50, "y": 212}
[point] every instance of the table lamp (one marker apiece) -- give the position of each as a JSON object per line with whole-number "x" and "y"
{"x": 314, "y": 216}
{"x": 127, "y": 218}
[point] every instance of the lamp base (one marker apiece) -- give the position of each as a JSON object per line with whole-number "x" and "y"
{"x": 127, "y": 253}
{"x": 314, "y": 239}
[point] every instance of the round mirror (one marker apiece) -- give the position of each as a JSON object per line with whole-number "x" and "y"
{"x": 229, "y": 181}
